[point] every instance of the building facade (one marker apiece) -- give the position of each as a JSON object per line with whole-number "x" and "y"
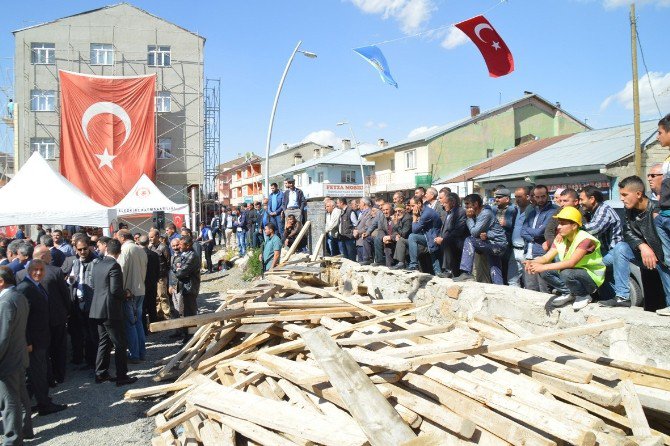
{"x": 291, "y": 156}
{"x": 246, "y": 181}
{"x": 118, "y": 40}
{"x": 223, "y": 180}
{"x": 428, "y": 158}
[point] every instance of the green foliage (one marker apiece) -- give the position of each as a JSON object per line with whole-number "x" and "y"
{"x": 254, "y": 266}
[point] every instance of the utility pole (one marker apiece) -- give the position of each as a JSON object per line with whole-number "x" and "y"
{"x": 636, "y": 93}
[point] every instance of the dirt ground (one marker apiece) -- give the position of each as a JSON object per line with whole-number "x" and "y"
{"x": 97, "y": 413}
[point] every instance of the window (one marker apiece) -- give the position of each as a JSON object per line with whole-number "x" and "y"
{"x": 348, "y": 176}
{"x": 163, "y": 101}
{"x": 164, "y": 147}
{"x": 309, "y": 180}
{"x": 393, "y": 164}
{"x": 317, "y": 153}
{"x": 319, "y": 177}
{"x": 43, "y": 53}
{"x": 298, "y": 180}
{"x": 46, "y": 147}
{"x": 159, "y": 56}
{"x": 489, "y": 153}
{"x": 42, "y": 100}
{"x": 102, "y": 54}
{"x": 297, "y": 159}
{"x": 410, "y": 159}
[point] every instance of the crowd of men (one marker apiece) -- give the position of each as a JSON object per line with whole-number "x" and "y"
{"x": 570, "y": 246}
{"x": 101, "y": 292}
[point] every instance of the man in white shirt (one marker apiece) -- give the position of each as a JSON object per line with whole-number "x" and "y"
{"x": 332, "y": 227}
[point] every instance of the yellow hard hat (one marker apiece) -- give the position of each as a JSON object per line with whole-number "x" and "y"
{"x": 570, "y": 213}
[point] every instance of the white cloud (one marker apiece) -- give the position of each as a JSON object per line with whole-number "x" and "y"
{"x": 323, "y": 137}
{"x": 422, "y": 131}
{"x": 611, "y": 4}
{"x": 376, "y": 125}
{"x": 411, "y": 14}
{"x": 454, "y": 38}
{"x": 661, "y": 85}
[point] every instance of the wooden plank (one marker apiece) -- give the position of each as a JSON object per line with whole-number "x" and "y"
{"x": 234, "y": 351}
{"x": 375, "y": 359}
{"x": 254, "y": 328}
{"x": 296, "y": 242}
{"x": 276, "y": 415}
{"x": 594, "y": 392}
{"x": 162, "y": 405}
{"x": 481, "y": 415}
{"x": 392, "y": 335}
{"x": 317, "y": 247}
{"x": 212, "y": 435}
{"x": 200, "y": 319}
{"x": 156, "y": 390}
{"x": 634, "y": 412}
{"x": 383, "y": 426}
{"x": 167, "y": 436}
{"x": 525, "y": 341}
{"x": 530, "y": 362}
{"x": 250, "y": 430}
{"x": 176, "y": 421}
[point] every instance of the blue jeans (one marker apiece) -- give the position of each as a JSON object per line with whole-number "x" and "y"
{"x": 332, "y": 246}
{"x": 276, "y": 220}
{"x": 413, "y": 241}
{"x": 618, "y": 259}
{"x": 663, "y": 270}
{"x": 494, "y": 254}
{"x": 347, "y": 247}
{"x": 242, "y": 241}
{"x": 575, "y": 281}
{"x": 663, "y": 229}
{"x": 134, "y": 328}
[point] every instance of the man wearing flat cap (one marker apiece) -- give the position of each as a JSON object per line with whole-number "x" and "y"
{"x": 506, "y": 214}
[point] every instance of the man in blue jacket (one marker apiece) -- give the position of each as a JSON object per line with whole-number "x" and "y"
{"x": 486, "y": 237}
{"x": 532, "y": 232}
{"x": 426, "y": 226}
{"x": 275, "y": 208}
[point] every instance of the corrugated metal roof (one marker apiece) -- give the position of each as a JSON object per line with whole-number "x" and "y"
{"x": 584, "y": 151}
{"x": 465, "y": 121}
{"x": 338, "y": 157}
{"x": 503, "y": 159}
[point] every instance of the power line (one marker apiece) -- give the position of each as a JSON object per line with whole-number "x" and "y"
{"x": 644, "y": 62}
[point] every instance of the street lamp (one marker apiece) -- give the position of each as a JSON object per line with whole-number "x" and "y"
{"x": 355, "y": 141}
{"x": 274, "y": 109}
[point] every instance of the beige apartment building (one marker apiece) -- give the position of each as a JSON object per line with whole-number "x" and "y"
{"x": 117, "y": 40}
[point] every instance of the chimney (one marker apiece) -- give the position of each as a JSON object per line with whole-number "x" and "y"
{"x": 382, "y": 143}
{"x": 558, "y": 105}
{"x": 474, "y": 110}
{"x": 284, "y": 146}
{"x": 346, "y": 144}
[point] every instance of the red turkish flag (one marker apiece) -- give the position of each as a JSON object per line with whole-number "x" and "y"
{"x": 497, "y": 56}
{"x": 107, "y": 136}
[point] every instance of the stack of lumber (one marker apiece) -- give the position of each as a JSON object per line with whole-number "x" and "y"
{"x": 292, "y": 362}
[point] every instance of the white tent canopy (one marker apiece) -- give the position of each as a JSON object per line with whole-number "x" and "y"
{"x": 145, "y": 198}
{"x": 38, "y": 194}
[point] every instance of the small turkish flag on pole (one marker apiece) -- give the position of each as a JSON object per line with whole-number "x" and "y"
{"x": 497, "y": 56}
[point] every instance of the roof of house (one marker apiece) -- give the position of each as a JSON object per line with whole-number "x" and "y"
{"x": 103, "y": 8}
{"x": 339, "y": 157}
{"x": 432, "y": 134}
{"x": 585, "y": 151}
{"x": 500, "y": 160}
{"x": 298, "y": 145}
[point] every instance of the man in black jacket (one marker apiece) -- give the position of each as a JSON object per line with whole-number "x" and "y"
{"x": 150, "y": 284}
{"x": 38, "y": 336}
{"x": 59, "y": 307}
{"x": 14, "y": 399}
{"x": 383, "y": 242}
{"x": 402, "y": 228}
{"x": 640, "y": 233}
{"x": 346, "y": 242}
{"x": 453, "y": 232}
{"x": 187, "y": 273}
{"x": 107, "y": 312}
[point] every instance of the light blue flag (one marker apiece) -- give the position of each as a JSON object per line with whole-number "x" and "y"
{"x": 374, "y": 55}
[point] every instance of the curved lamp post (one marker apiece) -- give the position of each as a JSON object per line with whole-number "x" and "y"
{"x": 274, "y": 109}
{"x": 355, "y": 141}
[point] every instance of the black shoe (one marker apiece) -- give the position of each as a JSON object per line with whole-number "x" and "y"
{"x": 377, "y": 264}
{"x": 412, "y": 268}
{"x": 616, "y": 302}
{"x": 365, "y": 263}
{"x": 28, "y": 435}
{"x": 51, "y": 408}
{"x": 398, "y": 266}
{"x": 445, "y": 275}
{"x": 125, "y": 381}
{"x": 134, "y": 361}
{"x": 464, "y": 277}
{"x": 53, "y": 384}
{"x": 86, "y": 367}
{"x": 99, "y": 379}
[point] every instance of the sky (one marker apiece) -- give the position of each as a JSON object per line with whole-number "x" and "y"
{"x": 576, "y": 52}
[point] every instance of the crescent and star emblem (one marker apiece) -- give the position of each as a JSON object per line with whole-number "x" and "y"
{"x": 106, "y": 107}
{"x": 478, "y": 30}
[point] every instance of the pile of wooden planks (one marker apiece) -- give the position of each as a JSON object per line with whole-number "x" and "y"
{"x": 291, "y": 361}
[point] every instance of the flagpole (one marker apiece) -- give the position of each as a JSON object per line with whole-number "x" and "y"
{"x": 636, "y": 93}
{"x": 266, "y": 188}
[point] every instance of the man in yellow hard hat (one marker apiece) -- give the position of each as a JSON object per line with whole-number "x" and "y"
{"x": 580, "y": 265}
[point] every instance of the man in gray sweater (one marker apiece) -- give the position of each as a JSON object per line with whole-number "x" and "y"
{"x": 486, "y": 237}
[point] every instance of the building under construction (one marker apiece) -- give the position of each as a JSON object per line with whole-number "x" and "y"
{"x": 120, "y": 40}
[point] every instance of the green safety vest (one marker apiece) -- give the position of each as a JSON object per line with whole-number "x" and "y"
{"x": 592, "y": 263}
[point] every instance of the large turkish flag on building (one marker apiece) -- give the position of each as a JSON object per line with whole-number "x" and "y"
{"x": 497, "y": 56}
{"x": 107, "y": 136}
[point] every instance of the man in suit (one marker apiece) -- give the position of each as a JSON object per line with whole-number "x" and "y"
{"x": 275, "y": 208}
{"x": 363, "y": 231}
{"x": 21, "y": 252}
{"x": 57, "y": 256}
{"x": 402, "y": 228}
{"x": 38, "y": 336}
{"x": 163, "y": 252}
{"x": 59, "y": 306}
{"x": 107, "y": 311}
{"x": 294, "y": 201}
{"x": 150, "y": 284}
{"x": 426, "y": 224}
{"x": 452, "y": 234}
{"x": 383, "y": 242}
{"x": 14, "y": 399}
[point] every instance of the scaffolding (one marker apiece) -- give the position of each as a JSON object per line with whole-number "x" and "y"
{"x": 7, "y": 127}
{"x": 212, "y": 137}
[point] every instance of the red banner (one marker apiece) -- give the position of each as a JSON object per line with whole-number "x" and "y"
{"x": 107, "y": 133}
{"x": 497, "y": 56}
